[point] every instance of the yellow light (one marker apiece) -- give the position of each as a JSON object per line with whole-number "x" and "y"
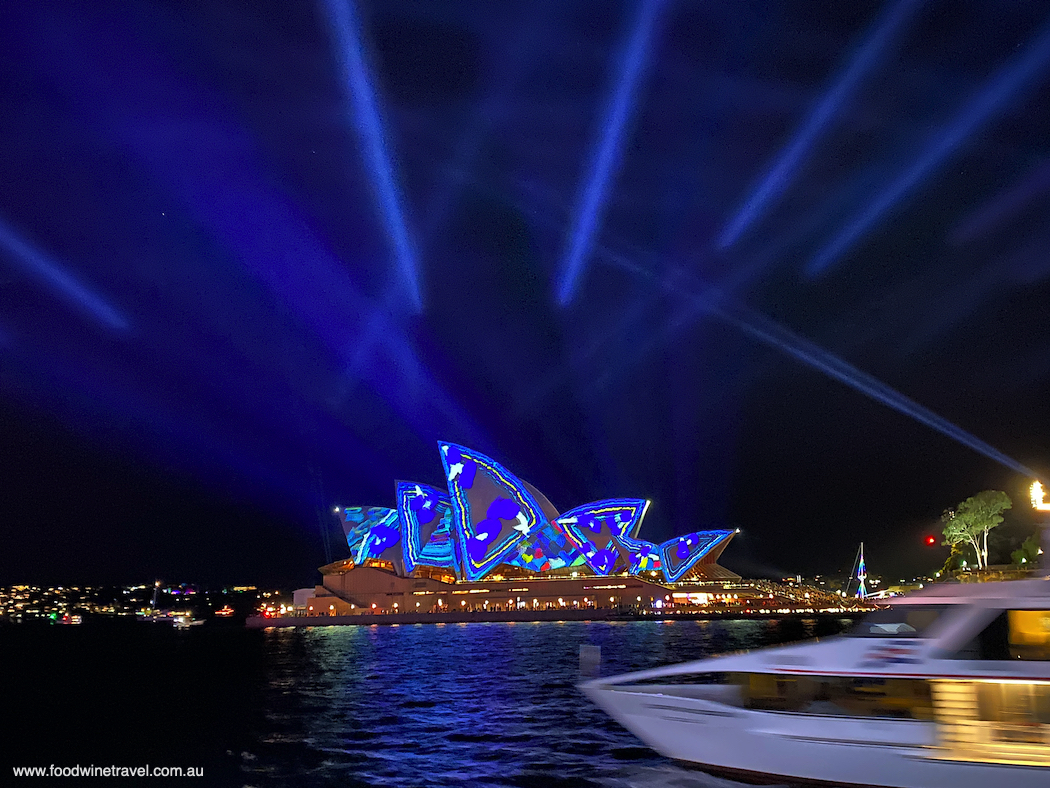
{"x": 1039, "y": 502}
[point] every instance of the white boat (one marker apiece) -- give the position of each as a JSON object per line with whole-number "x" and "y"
{"x": 186, "y": 621}
{"x": 948, "y": 688}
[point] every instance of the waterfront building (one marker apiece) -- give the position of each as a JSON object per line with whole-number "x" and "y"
{"x": 492, "y": 542}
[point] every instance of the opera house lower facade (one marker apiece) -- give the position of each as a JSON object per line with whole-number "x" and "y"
{"x": 492, "y": 542}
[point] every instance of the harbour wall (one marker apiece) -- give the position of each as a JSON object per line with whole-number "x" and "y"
{"x": 507, "y": 616}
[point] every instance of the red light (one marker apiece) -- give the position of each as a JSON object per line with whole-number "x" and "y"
{"x": 931, "y": 540}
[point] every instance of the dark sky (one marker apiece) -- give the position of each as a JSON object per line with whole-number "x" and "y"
{"x": 781, "y": 266}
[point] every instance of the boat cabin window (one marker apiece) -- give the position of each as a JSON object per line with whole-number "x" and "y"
{"x": 903, "y": 622}
{"x": 1019, "y": 706}
{"x": 838, "y": 695}
{"x": 1029, "y": 634}
{"x": 1013, "y": 634}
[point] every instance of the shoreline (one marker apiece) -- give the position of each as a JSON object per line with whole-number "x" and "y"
{"x": 529, "y": 616}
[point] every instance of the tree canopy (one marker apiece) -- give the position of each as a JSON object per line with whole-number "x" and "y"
{"x": 1027, "y": 553}
{"x": 970, "y": 521}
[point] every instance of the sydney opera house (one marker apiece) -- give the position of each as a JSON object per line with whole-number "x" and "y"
{"x": 493, "y": 542}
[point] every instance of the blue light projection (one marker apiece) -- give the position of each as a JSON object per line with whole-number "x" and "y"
{"x": 547, "y": 548}
{"x": 426, "y": 516}
{"x": 777, "y": 178}
{"x": 643, "y": 556}
{"x": 62, "y": 283}
{"x": 492, "y": 510}
{"x": 373, "y": 532}
{"x": 607, "y": 157}
{"x": 989, "y": 101}
{"x": 682, "y": 554}
{"x": 346, "y": 31}
{"x": 490, "y": 517}
{"x": 598, "y": 527}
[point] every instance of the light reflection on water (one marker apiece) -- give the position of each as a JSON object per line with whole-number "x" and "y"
{"x": 479, "y": 704}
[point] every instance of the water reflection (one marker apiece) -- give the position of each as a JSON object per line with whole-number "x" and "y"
{"x": 483, "y": 704}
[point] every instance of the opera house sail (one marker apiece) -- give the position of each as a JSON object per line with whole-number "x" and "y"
{"x": 489, "y": 541}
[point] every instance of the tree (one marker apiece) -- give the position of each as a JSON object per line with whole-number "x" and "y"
{"x": 1028, "y": 552}
{"x": 970, "y": 521}
{"x": 960, "y": 554}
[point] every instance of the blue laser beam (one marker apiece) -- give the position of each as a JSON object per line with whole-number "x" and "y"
{"x": 774, "y": 335}
{"x": 345, "y": 26}
{"x": 607, "y": 157}
{"x": 743, "y": 274}
{"x": 1003, "y": 207}
{"x": 991, "y": 99}
{"x": 716, "y": 301}
{"x": 759, "y": 327}
{"x": 779, "y": 175}
{"x": 61, "y": 282}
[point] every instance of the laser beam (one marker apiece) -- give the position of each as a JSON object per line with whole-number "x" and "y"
{"x": 774, "y": 335}
{"x": 606, "y": 159}
{"x": 779, "y": 175}
{"x": 1003, "y": 207}
{"x": 761, "y": 328}
{"x": 61, "y": 282}
{"x": 345, "y": 27}
{"x": 991, "y": 99}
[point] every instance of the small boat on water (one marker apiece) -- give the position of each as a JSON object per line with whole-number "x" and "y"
{"x": 949, "y": 688}
{"x": 186, "y": 621}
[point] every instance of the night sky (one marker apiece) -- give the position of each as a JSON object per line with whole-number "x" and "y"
{"x": 752, "y": 261}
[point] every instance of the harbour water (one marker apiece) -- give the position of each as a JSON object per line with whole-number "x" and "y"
{"x": 417, "y": 705}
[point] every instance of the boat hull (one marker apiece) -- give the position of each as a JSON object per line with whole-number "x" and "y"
{"x": 760, "y": 745}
